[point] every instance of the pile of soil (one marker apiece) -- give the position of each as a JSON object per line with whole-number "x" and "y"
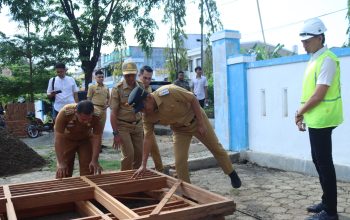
{"x": 15, "y": 156}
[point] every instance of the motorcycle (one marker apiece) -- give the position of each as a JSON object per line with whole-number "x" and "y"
{"x": 36, "y": 126}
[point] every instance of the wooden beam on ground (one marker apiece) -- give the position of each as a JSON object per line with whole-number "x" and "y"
{"x": 53, "y": 198}
{"x": 117, "y": 208}
{"x": 45, "y": 210}
{"x": 198, "y": 194}
{"x": 10, "y": 209}
{"x": 2, "y": 200}
{"x": 86, "y": 208}
{"x": 135, "y": 185}
{"x": 166, "y": 198}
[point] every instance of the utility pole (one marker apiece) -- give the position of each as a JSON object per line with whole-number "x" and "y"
{"x": 201, "y": 21}
{"x": 262, "y": 28}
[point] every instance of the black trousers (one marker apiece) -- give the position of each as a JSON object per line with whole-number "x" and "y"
{"x": 201, "y": 102}
{"x": 321, "y": 151}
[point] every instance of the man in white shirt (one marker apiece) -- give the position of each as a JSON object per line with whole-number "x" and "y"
{"x": 63, "y": 89}
{"x": 200, "y": 86}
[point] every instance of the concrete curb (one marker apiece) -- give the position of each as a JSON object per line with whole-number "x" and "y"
{"x": 209, "y": 162}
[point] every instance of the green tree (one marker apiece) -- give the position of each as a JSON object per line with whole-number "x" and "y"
{"x": 97, "y": 22}
{"x": 28, "y": 55}
{"x": 174, "y": 14}
{"x": 176, "y": 54}
{"x": 263, "y": 53}
{"x": 27, "y": 14}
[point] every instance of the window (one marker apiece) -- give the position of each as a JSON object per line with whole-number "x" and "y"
{"x": 190, "y": 65}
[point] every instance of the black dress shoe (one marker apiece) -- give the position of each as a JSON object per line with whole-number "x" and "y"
{"x": 316, "y": 208}
{"x": 323, "y": 215}
{"x": 235, "y": 180}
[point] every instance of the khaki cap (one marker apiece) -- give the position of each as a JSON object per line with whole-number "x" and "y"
{"x": 129, "y": 67}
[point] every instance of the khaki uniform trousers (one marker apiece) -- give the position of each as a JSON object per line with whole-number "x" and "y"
{"x": 84, "y": 150}
{"x": 158, "y": 164}
{"x": 102, "y": 116}
{"x": 182, "y": 138}
{"x": 132, "y": 138}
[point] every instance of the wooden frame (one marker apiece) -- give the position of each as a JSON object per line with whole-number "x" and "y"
{"x": 109, "y": 196}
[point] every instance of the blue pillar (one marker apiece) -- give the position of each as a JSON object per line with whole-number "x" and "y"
{"x": 238, "y": 101}
{"x": 224, "y": 44}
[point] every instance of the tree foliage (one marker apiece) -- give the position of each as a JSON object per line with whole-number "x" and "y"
{"x": 97, "y": 22}
{"x": 174, "y": 14}
{"x": 29, "y": 53}
{"x": 263, "y": 53}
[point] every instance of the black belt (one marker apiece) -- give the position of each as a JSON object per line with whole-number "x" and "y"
{"x": 130, "y": 122}
{"x": 99, "y": 105}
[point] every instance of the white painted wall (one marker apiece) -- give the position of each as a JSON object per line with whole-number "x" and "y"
{"x": 277, "y": 134}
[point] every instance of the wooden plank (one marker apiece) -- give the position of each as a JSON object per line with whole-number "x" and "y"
{"x": 169, "y": 206}
{"x": 45, "y": 189}
{"x": 166, "y": 198}
{"x": 53, "y": 198}
{"x": 198, "y": 194}
{"x": 205, "y": 211}
{"x": 86, "y": 208}
{"x": 10, "y": 209}
{"x": 133, "y": 186}
{"x": 89, "y": 218}
{"x": 117, "y": 208}
{"x": 45, "y": 182}
{"x": 2, "y": 205}
{"x": 45, "y": 210}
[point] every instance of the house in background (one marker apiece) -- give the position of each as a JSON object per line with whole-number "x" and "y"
{"x": 194, "y": 54}
{"x": 137, "y": 55}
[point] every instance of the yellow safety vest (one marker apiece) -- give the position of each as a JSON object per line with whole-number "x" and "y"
{"x": 329, "y": 112}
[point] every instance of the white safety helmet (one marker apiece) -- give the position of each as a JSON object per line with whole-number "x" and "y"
{"x": 311, "y": 28}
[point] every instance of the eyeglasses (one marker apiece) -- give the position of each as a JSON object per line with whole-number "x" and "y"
{"x": 146, "y": 78}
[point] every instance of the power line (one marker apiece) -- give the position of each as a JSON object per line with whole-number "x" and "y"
{"x": 293, "y": 23}
{"x": 297, "y": 22}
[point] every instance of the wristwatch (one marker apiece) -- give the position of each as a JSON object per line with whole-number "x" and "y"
{"x": 115, "y": 133}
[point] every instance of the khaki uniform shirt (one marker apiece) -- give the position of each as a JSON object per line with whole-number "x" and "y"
{"x": 173, "y": 108}
{"x": 68, "y": 123}
{"x": 99, "y": 95}
{"x": 148, "y": 89}
{"x": 119, "y": 101}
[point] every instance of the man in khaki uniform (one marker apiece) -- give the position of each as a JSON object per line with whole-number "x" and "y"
{"x": 179, "y": 108}
{"x": 126, "y": 124}
{"x": 78, "y": 130}
{"x": 98, "y": 94}
{"x": 145, "y": 76}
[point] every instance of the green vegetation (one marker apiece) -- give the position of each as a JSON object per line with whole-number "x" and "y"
{"x": 107, "y": 165}
{"x": 209, "y": 111}
{"x": 51, "y": 160}
{"x": 110, "y": 165}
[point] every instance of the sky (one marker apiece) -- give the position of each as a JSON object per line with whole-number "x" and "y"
{"x": 281, "y": 19}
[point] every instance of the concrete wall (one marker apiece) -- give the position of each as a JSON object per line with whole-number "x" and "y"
{"x": 274, "y": 91}
{"x": 255, "y": 104}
